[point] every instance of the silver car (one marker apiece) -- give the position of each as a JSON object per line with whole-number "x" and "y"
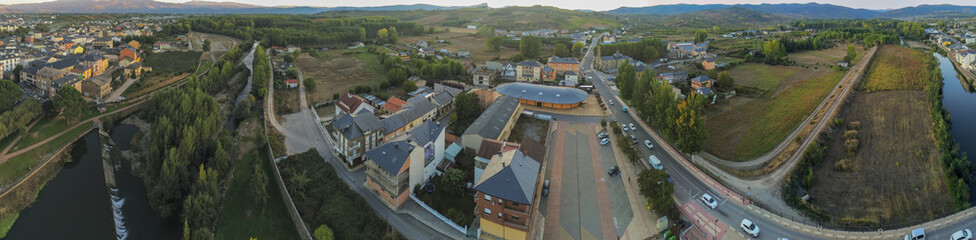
{"x": 632, "y": 128}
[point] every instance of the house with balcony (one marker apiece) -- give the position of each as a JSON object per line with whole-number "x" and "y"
{"x": 483, "y": 78}
{"x": 394, "y": 168}
{"x": 351, "y": 104}
{"x": 354, "y": 134}
{"x": 505, "y": 196}
{"x": 528, "y": 71}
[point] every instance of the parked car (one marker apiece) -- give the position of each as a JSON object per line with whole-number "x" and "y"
{"x": 604, "y": 141}
{"x": 708, "y": 200}
{"x": 611, "y": 102}
{"x": 633, "y": 138}
{"x": 545, "y": 188}
{"x": 632, "y": 128}
{"x": 964, "y": 234}
{"x": 917, "y": 234}
{"x": 602, "y": 135}
{"x": 614, "y": 171}
{"x": 647, "y": 142}
{"x": 750, "y": 228}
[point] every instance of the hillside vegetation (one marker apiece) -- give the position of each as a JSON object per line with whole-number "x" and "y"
{"x": 509, "y": 18}
{"x": 734, "y": 16}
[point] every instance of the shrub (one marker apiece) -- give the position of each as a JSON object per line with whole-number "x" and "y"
{"x": 844, "y": 165}
{"x": 854, "y": 125}
{"x": 851, "y": 145}
{"x": 838, "y": 122}
{"x": 850, "y": 134}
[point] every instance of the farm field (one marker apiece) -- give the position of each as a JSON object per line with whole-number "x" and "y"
{"x": 749, "y": 127}
{"x": 466, "y": 41}
{"x": 897, "y": 68}
{"x": 895, "y": 176}
{"x": 336, "y": 71}
{"x": 762, "y": 76}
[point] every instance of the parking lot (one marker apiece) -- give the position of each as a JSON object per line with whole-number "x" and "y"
{"x": 584, "y": 201}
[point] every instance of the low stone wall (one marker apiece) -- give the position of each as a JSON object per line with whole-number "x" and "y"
{"x": 289, "y": 203}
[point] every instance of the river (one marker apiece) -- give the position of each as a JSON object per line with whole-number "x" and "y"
{"x": 959, "y": 103}
{"x": 76, "y": 204}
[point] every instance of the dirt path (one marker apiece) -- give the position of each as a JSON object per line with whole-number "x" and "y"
{"x": 5, "y": 157}
{"x": 17, "y": 139}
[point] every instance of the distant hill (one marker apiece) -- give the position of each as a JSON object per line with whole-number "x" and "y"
{"x": 793, "y": 10}
{"x": 401, "y": 7}
{"x": 508, "y": 18}
{"x": 722, "y": 17}
{"x": 196, "y": 6}
{"x": 930, "y": 10}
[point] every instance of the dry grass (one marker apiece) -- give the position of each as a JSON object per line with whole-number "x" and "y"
{"x": 465, "y": 41}
{"x": 762, "y": 76}
{"x": 826, "y": 57}
{"x": 896, "y": 176}
{"x": 336, "y": 73}
{"x": 897, "y": 68}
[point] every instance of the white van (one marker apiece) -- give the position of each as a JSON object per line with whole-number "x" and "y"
{"x": 656, "y": 163}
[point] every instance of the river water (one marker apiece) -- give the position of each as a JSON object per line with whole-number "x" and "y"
{"x": 959, "y": 103}
{"x": 76, "y": 204}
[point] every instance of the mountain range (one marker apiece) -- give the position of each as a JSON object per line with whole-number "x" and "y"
{"x": 789, "y": 10}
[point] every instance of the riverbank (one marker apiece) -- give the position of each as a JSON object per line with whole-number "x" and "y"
{"x": 967, "y": 76}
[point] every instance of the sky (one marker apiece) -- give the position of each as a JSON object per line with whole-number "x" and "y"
{"x": 598, "y": 5}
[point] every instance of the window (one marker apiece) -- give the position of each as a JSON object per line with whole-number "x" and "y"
{"x": 515, "y": 204}
{"x": 487, "y": 198}
{"x": 499, "y": 215}
{"x": 515, "y": 217}
{"x": 487, "y": 211}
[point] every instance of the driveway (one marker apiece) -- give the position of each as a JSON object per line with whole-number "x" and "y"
{"x": 584, "y": 202}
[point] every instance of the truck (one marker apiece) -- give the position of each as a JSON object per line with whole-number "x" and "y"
{"x": 656, "y": 163}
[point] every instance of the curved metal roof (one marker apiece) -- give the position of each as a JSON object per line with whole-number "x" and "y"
{"x": 541, "y": 93}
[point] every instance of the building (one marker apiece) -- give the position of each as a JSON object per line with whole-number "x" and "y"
{"x": 350, "y": 104}
{"x": 353, "y": 135}
{"x": 703, "y": 85}
{"x": 134, "y": 44}
{"x": 394, "y": 168}
{"x": 610, "y": 63}
{"x": 97, "y": 87}
{"x": 103, "y": 43}
{"x": 134, "y": 70}
{"x": 505, "y": 193}
{"x": 291, "y": 83}
{"x": 422, "y": 44}
{"x": 464, "y": 54}
{"x": 562, "y": 65}
{"x": 394, "y": 104}
{"x": 708, "y": 64}
{"x": 674, "y": 77}
{"x": 417, "y": 110}
{"x": 444, "y": 101}
{"x": 571, "y": 79}
{"x": 495, "y": 122}
{"x": 8, "y": 63}
{"x": 528, "y": 71}
{"x": 405, "y": 56}
{"x": 483, "y": 78}
{"x": 128, "y": 56}
{"x": 543, "y": 96}
{"x": 843, "y": 63}
{"x": 548, "y": 75}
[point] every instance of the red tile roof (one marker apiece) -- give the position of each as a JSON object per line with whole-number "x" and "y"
{"x": 348, "y": 102}
{"x": 394, "y": 104}
{"x": 291, "y": 81}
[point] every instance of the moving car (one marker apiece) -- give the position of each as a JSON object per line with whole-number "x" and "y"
{"x": 623, "y": 109}
{"x": 647, "y": 143}
{"x": 611, "y": 102}
{"x": 964, "y": 234}
{"x": 604, "y": 141}
{"x": 632, "y": 128}
{"x": 708, "y": 200}
{"x": 614, "y": 171}
{"x": 545, "y": 188}
{"x": 656, "y": 163}
{"x": 917, "y": 234}
{"x": 750, "y": 228}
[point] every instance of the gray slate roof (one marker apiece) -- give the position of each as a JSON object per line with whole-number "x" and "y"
{"x": 391, "y": 156}
{"x": 426, "y": 133}
{"x": 442, "y": 98}
{"x": 530, "y": 63}
{"x": 541, "y": 93}
{"x": 354, "y": 127}
{"x": 491, "y": 123}
{"x": 515, "y": 182}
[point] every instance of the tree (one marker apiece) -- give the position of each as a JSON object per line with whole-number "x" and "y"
{"x": 494, "y": 43}
{"x": 774, "y": 51}
{"x": 289, "y": 58}
{"x": 640, "y": 91}
{"x": 259, "y": 184}
{"x": 851, "y": 53}
{"x": 690, "y": 124}
{"x": 383, "y": 34}
{"x": 486, "y": 31}
{"x": 655, "y": 187}
{"x": 9, "y": 94}
{"x": 206, "y": 45}
{"x": 578, "y": 48}
{"x": 453, "y": 179}
{"x": 518, "y": 57}
{"x": 530, "y": 46}
{"x": 394, "y": 36}
{"x": 701, "y": 36}
{"x": 396, "y": 76}
{"x": 309, "y": 83}
{"x": 69, "y": 101}
{"x": 560, "y": 50}
{"x": 467, "y": 109}
{"x": 715, "y": 29}
{"x": 221, "y": 159}
{"x": 410, "y": 87}
{"x": 323, "y": 232}
{"x": 625, "y": 79}
{"x": 17, "y": 71}
{"x": 725, "y": 81}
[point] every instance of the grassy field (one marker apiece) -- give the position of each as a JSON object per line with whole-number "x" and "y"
{"x": 15, "y": 168}
{"x": 181, "y": 62}
{"x": 896, "y": 176}
{"x": 335, "y": 72}
{"x": 509, "y": 18}
{"x": 465, "y": 41}
{"x": 242, "y": 217}
{"x": 204, "y": 65}
{"x": 749, "y": 127}
{"x": 897, "y": 68}
{"x": 826, "y": 57}
{"x": 762, "y": 76}
{"x": 7, "y": 222}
